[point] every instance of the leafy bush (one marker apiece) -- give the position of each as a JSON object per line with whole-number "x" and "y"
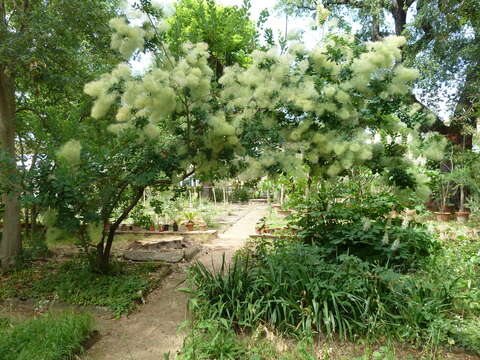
{"x": 291, "y": 287}
{"x": 347, "y": 221}
{"x": 240, "y": 195}
{"x": 141, "y": 218}
{"x": 49, "y": 337}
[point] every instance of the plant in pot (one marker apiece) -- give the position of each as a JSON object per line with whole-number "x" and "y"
{"x": 142, "y": 219}
{"x": 462, "y": 179}
{"x": 261, "y": 225}
{"x": 176, "y": 219}
{"x": 190, "y": 218}
{"x": 164, "y": 225}
{"x": 444, "y": 191}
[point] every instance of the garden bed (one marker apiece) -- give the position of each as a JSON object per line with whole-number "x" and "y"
{"x": 52, "y": 282}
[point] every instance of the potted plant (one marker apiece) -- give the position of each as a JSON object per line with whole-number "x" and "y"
{"x": 164, "y": 225}
{"x": 461, "y": 177}
{"x": 175, "y": 226}
{"x": 190, "y": 218}
{"x": 261, "y": 226}
{"x": 445, "y": 187}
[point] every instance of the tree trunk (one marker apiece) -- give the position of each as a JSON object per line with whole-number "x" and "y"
{"x": 375, "y": 28}
{"x": 105, "y": 247}
{"x": 399, "y": 14}
{"x": 10, "y": 246}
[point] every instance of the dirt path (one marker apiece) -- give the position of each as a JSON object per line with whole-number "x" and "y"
{"x": 152, "y": 331}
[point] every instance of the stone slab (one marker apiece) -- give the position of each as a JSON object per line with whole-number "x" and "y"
{"x": 173, "y": 242}
{"x": 200, "y": 235}
{"x": 169, "y": 256}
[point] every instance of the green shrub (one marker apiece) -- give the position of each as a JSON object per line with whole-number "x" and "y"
{"x": 49, "y": 337}
{"x": 240, "y": 195}
{"x": 292, "y": 288}
{"x": 340, "y": 222}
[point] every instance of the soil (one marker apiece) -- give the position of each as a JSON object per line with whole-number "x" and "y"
{"x": 152, "y": 330}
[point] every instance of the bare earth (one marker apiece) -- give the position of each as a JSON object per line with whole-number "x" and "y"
{"x": 152, "y": 330}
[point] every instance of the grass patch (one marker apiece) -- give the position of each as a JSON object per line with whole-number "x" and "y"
{"x": 49, "y": 337}
{"x": 73, "y": 282}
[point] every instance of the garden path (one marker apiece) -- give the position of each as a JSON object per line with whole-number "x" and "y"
{"x": 152, "y": 331}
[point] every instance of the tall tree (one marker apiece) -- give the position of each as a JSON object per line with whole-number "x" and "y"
{"x": 442, "y": 42}
{"x": 445, "y": 47}
{"x": 227, "y": 30}
{"x": 39, "y": 45}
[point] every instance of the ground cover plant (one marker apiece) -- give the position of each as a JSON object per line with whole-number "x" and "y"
{"x": 48, "y": 337}
{"x": 73, "y": 282}
{"x": 293, "y": 290}
{"x": 340, "y": 278}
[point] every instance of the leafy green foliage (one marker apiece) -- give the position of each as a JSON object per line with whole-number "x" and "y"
{"x": 48, "y": 337}
{"x": 344, "y": 218}
{"x": 213, "y": 339}
{"x": 227, "y": 30}
{"x": 291, "y": 287}
{"x": 140, "y": 218}
{"x": 241, "y": 195}
{"x": 74, "y": 282}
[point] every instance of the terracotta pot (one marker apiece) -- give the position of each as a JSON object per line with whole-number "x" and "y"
{"x": 462, "y": 216}
{"x": 189, "y": 226}
{"x": 152, "y": 228}
{"x": 442, "y": 216}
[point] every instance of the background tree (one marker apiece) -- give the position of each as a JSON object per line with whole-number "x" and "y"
{"x": 39, "y": 40}
{"x": 442, "y": 42}
{"x": 227, "y": 30}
